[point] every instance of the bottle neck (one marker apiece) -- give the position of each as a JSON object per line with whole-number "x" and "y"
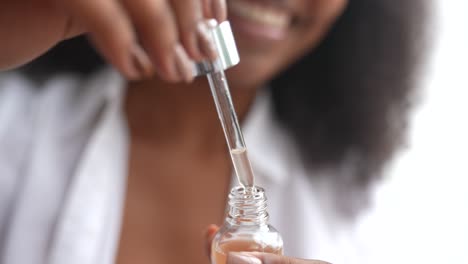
{"x": 247, "y": 206}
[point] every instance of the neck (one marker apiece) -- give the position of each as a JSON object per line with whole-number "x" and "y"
{"x": 247, "y": 206}
{"x": 165, "y": 113}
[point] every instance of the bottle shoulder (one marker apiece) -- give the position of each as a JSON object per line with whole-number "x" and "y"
{"x": 260, "y": 234}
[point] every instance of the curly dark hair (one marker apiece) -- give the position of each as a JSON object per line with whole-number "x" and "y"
{"x": 348, "y": 98}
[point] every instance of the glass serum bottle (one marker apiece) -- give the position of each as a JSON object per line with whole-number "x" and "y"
{"x": 246, "y": 226}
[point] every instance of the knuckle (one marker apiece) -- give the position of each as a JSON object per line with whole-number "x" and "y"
{"x": 164, "y": 67}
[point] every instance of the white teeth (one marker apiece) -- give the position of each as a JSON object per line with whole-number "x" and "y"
{"x": 259, "y": 13}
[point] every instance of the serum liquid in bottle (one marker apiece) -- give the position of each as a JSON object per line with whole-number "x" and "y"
{"x": 246, "y": 226}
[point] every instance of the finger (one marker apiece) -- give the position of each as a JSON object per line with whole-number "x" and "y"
{"x": 28, "y": 29}
{"x": 209, "y": 235}
{"x": 157, "y": 31}
{"x": 188, "y": 14}
{"x": 207, "y": 10}
{"x": 266, "y": 258}
{"x": 193, "y": 32}
{"x": 73, "y": 28}
{"x": 111, "y": 31}
{"x": 215, "y": 9}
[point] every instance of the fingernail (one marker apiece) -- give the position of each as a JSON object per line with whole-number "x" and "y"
{"x": 184, "y": 64}
{"x": 141, "y": 63}
{"x": 242, "y": 258}
{"x": 205, "y": 41}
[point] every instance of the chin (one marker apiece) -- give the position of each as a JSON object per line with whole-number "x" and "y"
{"x": 248, "y": 75}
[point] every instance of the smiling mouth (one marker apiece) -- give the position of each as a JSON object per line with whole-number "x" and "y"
{"x": 268, "y": 15}
{"x": 260, "y": 20}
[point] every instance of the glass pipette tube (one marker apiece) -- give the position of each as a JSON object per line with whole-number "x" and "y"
{"x": 228, "y": 117}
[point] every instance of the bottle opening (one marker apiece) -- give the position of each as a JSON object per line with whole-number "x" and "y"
{"x": 247, "y": 205}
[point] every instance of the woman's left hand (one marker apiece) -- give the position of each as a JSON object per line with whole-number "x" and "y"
{"x": 255, "y": 257}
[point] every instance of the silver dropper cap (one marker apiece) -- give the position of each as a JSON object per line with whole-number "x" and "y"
{"x": 225, "y": 46}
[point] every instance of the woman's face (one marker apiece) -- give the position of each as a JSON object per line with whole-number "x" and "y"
{"x": 271, "y": 34}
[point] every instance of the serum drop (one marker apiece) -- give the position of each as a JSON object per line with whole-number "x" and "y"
{"x": 246, "y": 226}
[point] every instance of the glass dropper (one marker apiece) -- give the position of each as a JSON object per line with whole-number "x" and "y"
{"x": 214, "y": 70}
{"x": 234, "y": 138}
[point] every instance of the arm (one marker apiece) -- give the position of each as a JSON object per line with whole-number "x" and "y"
{"x": 137, "y": 37}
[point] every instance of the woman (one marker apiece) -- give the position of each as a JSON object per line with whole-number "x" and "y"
{"x": 97, "y": 169}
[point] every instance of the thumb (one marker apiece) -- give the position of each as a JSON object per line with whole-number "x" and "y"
{"x": 266, "y": 258}
{"x": 209, "y": 235}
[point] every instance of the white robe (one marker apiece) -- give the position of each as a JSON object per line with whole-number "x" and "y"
{"x": 63, "y": 169}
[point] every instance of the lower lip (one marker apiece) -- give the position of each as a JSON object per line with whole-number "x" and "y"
{"x": 256, "y": 30}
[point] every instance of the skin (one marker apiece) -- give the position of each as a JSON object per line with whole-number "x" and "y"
{"x": 179, "y": 168}
{"x": 254, "y": 257}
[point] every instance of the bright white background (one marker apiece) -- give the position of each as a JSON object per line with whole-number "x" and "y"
{"x": 421, "y": 213}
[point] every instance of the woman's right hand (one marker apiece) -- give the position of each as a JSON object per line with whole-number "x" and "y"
{"x": 138, "y": 37}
